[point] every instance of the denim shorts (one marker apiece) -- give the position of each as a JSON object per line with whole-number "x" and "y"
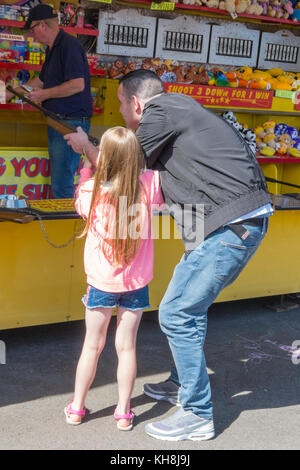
{"x": 132, "y": 300}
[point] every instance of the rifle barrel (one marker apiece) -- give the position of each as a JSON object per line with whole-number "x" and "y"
{"x": 54, "y": 121}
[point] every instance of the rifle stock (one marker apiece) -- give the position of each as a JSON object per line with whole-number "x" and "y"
{"x": 59, "y": 126}
{"x": 52, "y": 119}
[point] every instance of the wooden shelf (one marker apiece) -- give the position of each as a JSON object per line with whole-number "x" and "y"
{"x": 27, "y": 107}
{"x": 277, "y": 159}
{"x": 23, "y": 66}
{"x": 17, "y": 107}
{"x": 19, "y": 66}
{"x": 98, "y": 72}
{"x": 272, "y": 111}
{"x": 83, "y": 31}
{"x": 211, "y": 11}
{"x": 68, "y": 29}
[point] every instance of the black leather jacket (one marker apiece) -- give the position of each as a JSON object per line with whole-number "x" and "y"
{"x": 202, "y": 161}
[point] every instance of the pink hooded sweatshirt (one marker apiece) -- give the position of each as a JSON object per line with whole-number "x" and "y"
{"x": 101, "y": 273}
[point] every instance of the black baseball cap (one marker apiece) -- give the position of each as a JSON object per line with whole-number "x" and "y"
{"x": 40, "y": 12}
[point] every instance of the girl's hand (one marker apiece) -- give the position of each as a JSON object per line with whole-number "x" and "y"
{"x": 88, "y": 164}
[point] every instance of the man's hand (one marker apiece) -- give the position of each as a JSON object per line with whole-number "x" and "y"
{"x": 38, "y": 95}
{"x": 8, "y": 96}
{"x": 80, "y": 143}
{"x": 77, "y": 140}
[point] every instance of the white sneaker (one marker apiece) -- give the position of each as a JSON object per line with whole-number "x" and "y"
{"x": 182, "y": 425}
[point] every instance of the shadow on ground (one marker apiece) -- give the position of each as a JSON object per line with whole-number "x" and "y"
{"x": 247, "y": 351}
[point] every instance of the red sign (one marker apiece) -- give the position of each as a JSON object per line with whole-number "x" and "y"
{"x": 297, "y": 100}
{"x": 224, "y": 96}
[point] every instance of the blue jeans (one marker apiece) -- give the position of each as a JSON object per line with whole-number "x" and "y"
{"x": 196, "y": 282}
{"x": 64, "y": 161}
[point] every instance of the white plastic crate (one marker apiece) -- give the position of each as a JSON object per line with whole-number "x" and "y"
{"x": 126, "y": 33}
{"x": 280, "y": 49}
{"x": 233, "y": 44}
{"x": 182, "y": 38}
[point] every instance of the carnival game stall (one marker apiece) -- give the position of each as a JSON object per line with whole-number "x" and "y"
{"x": 241, "y": 63}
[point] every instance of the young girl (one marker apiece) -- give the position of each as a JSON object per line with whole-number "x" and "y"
{"x": 118, "y": 261}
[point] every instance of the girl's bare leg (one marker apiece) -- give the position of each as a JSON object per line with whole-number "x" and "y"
{"x": 127, "y": 327}
{"x": 97, "y": 321}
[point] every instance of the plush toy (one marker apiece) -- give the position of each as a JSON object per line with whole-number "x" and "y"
{"x": 296, "y": 12}
{"x": 264, "y": 5}
{"x": 201, "y": 77}
{"x": 241, "y": 6}
{"x": 116, "y": 69}
{"x": 211, "y": 3}
{"x": 254, "y": 8}
{"x": 287, "y": 8}
{"x": 278, "y": 138}
{"x": 269, "y": 126}
{"x": 283, "y": 144}
{"x": 218, "y": 77}
{"x": 191, "y": 2}
{"x": 275, "y": 72}
{"x": 267, "y": 151}
{"x": 244, "y": 73}
{"x": 282, "y": 148}
{"x": 269, "y": 137}
{"x": 169, "y": 77}
{"x": 247, "y": 134}
{"x": 129, "y": 67}
{"x": 292, "y": 132}
{"x": 294, "y": 149}
{"x": 270, "y": 140}
{"x": 227, "y": 5}
{"x": 280, "y": 129}
{"x": 180, "y": 72}
{"x": 259, "y": 134}
{"x": 192, "y": 74}
{"x": 161, "y": 70}
{"x": 274, "y": 9}
{"x": 189, "y": 75}
{"x": 147, "y": 65}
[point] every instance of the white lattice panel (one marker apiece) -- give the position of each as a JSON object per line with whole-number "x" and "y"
{"x": 280, "y": 49}
{"x": 183, "y": 38}
{"x": 233, "y": 44}
{"x": 126, "y": 33}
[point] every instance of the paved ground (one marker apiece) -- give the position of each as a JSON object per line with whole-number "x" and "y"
{"x": 255, "y": 385}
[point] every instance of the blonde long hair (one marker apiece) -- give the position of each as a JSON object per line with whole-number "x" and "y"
{"x": 119, "y": 166}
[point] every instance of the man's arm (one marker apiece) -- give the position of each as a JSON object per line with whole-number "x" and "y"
{"x": 155, "y": 132}
{"x": 80, "y": 144}
{"x": 68, "y": 88}
{"x": 34, "y": 83}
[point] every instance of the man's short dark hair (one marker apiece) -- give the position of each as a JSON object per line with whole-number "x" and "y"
{"x": 142, "y": 83}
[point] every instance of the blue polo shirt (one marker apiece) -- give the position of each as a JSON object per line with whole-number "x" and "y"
{"x": 65, "y": 61}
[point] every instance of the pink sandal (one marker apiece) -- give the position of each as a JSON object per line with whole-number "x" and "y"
{"x": 129, "y": 416}
{"x": 70, "y": 411}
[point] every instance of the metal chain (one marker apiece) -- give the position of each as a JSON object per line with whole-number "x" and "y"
{"x": 64, "y": 244}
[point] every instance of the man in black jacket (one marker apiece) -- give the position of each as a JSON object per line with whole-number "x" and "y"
{"x": 219, "y": 199}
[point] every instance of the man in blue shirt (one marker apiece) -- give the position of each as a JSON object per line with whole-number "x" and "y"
{"x": 63, "y": 87}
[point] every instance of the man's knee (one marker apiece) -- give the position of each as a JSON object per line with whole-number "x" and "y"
{"x": 165, "y": 318}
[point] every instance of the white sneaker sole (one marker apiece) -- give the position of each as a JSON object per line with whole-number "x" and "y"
{"x": 193, "y": 436}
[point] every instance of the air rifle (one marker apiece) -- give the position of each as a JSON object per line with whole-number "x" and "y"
{"x": 53, "y": 120}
